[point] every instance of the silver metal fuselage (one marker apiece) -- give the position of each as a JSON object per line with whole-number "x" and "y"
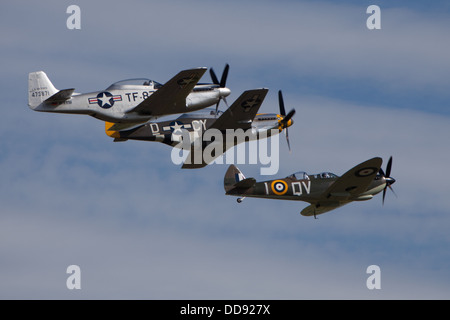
{"x": 114, "y": 104}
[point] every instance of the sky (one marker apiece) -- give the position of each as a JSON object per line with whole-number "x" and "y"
{"x": 140, "y": 227}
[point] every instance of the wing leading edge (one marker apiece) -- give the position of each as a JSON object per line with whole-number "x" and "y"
{"x": 242, "y": 112}
{"x": 171, "y": 97}
{"x": 238, "y": 116}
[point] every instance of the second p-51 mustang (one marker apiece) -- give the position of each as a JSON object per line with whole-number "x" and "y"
{"x": 324, "y": 191}
{"x": 130, "y": 101}
{"x": 240, "y": 118}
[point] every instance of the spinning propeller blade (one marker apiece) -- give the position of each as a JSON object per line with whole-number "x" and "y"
{"x": 284, "y": 122}
{"x": 213, "y": 76}
{"x": 388, "y": 178}
{"x": 287, "y": 139}
{"x": 281, "y": 103}
{"x": 222, "y": 83}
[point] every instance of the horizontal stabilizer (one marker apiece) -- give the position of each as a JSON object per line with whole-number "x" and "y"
{"x": 235, "y": 181}
{"x": 245, "y": 184}
{"x": 60, "y": 96}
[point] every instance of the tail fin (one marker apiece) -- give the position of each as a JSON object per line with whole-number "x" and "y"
{"x": 235, "y": 179}
{"x": 40, "y": 88}
{"x": 232, "y": 176}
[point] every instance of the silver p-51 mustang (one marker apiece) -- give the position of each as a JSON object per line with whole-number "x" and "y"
{"x": 130, "y": 101}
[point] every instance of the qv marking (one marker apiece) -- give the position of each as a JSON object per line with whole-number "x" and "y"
{"x": 296, "y": 187}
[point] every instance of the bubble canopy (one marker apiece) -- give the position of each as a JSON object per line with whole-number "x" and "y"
{"x": 135, "y": 83}
{"x": 301, "y": 175}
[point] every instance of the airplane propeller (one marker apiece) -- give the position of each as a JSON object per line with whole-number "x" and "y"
{"x": 388, "y": 178}
{"x": 222, "y": 83}
{"x": 284, "y": 122}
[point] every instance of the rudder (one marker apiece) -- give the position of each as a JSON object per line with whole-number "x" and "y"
{"x": 40, "y": 88}
{"x": 232, "y": 176}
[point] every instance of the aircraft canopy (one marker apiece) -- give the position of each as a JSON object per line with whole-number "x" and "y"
{"x": 325, "y": 175}
{"x": 135, "y": 83}
{"x": 300, "y": 175}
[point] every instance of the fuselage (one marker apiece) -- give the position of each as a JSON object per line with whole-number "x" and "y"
{"x": 115, "y": 102}
{"x": 304, "y": 187}
{"x": 196, "y": 123}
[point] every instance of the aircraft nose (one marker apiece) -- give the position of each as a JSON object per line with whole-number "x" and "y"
{"x": 224, "y": 92}
{"x": 390, "y": 180}
{"x": 290, "y": 122}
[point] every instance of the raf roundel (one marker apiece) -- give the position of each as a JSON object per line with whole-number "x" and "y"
{"x": 279, "y": 187}
{"x": 364, "y": 172}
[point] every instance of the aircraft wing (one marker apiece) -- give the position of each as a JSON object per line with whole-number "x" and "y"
{"x": 171, "y": 97}
{"x": 196, "y": 158}
{"x": 354, "y": 181}
{"x": 349, "y": 185}
{"x": 314, "y": 210}
{"x": 245, "y": 184}
{"x": 199, "y": 158}
{"x": 238, "y": 116}
{"x": 242, "y": 112}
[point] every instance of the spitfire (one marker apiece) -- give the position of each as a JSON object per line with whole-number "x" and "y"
{"x": 324, "y": 191}
{"x": 129, "y": 101}
{"x": 241, "y": 115}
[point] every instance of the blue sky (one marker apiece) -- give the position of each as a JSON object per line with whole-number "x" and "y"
{"x": 139, "y": 227}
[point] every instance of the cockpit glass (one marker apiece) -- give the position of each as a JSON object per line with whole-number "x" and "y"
{"x": 137, "y": 82}
{"x": 301, "y": 175}
{"x": 326, "y": 175}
